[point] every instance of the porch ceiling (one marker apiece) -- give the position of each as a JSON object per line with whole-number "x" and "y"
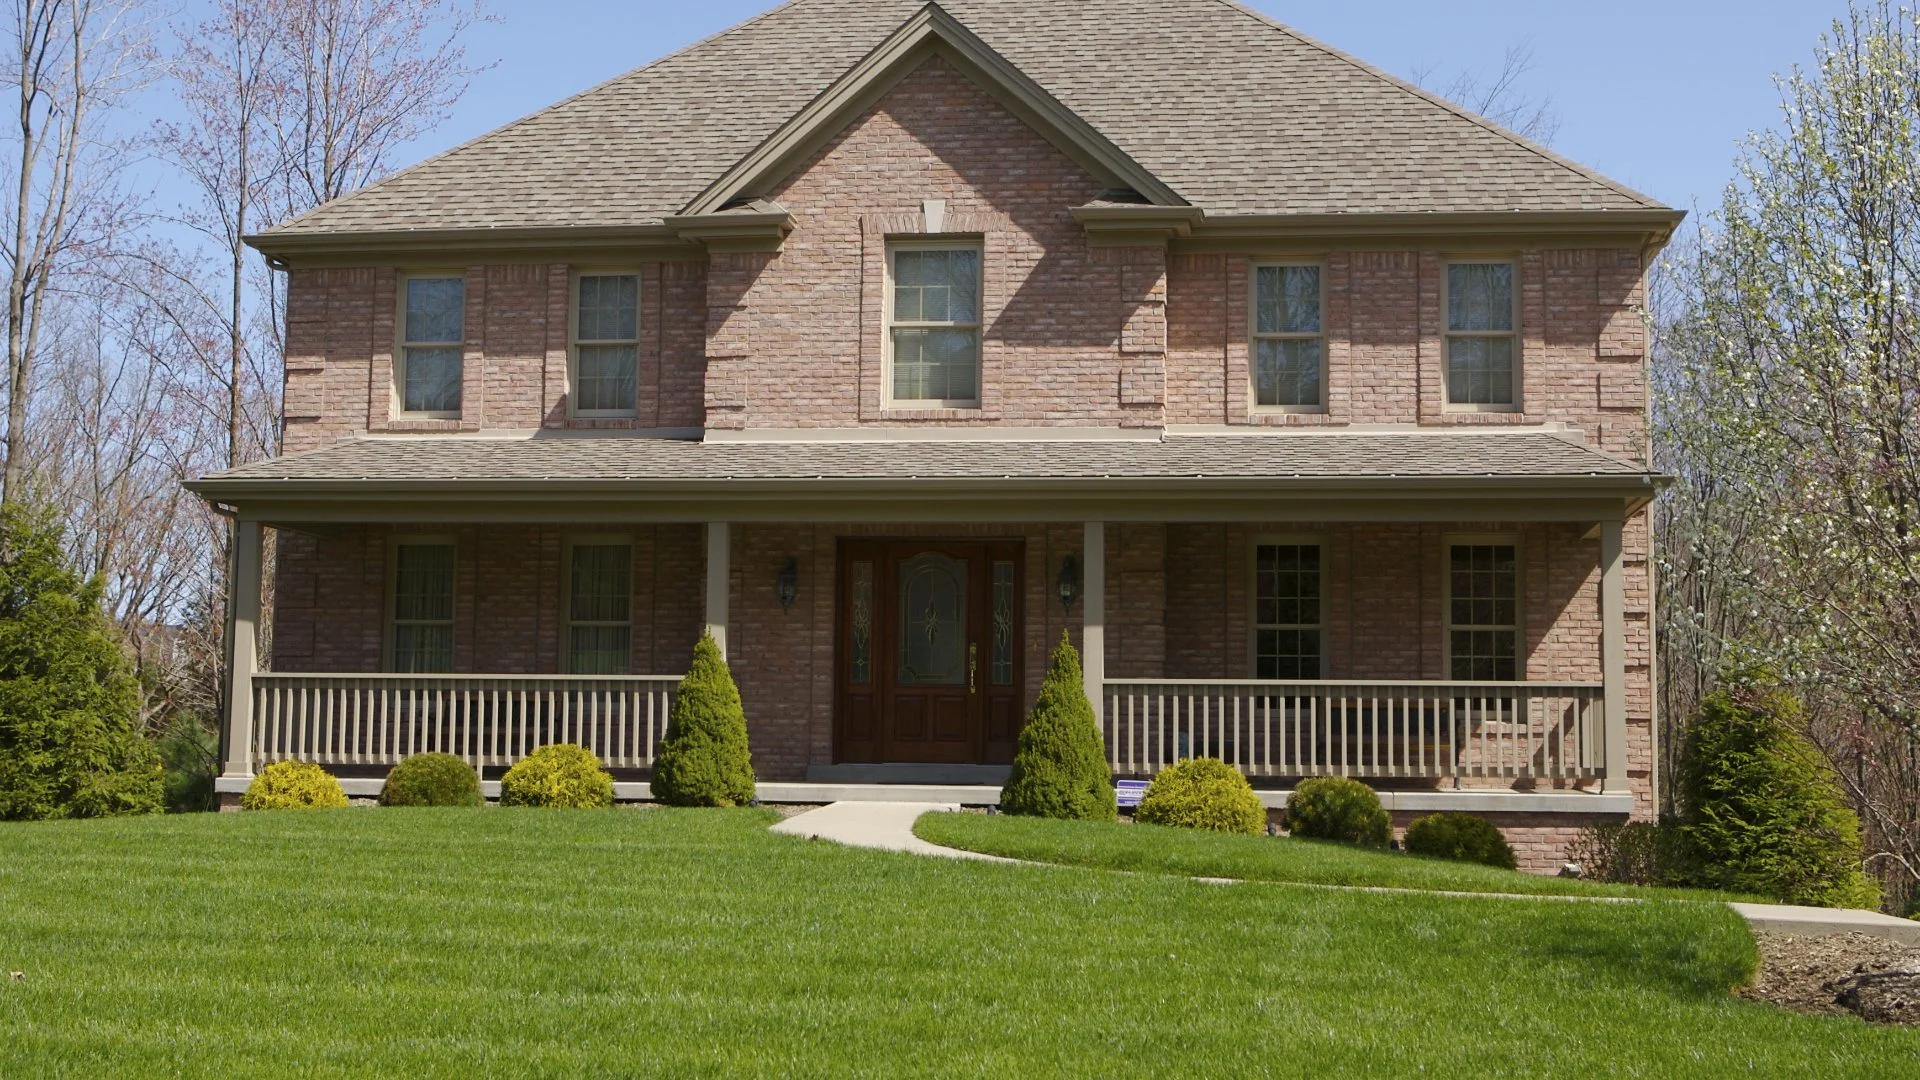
{"x": 1402, "y": 475}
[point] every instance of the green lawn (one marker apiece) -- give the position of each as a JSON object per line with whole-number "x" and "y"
{"x": 421, "y": 943}
{"x": 1189, "y": 853}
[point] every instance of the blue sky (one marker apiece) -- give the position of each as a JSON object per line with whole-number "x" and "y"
{"x": 1655, "y": 93}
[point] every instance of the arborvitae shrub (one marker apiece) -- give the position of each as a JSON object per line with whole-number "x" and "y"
{"x": 432, "y": 780}
{"x": 1463, "y": 837}
{"x": 704, "y": 759}
{"x": 70, "y": 731}
{"x": 558, "y": 777}
{"x": 1202, "y": 793}
{"x": 1762, "y": 811}
{"x": 1059, "y": 766}
{"x": 1336, "y": 808}
{"x": 293, "y": 785}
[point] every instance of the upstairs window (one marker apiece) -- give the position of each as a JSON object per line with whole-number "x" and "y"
{"x": 933, "y": 324}
{"x": 599, "y": 607}
{"x": 432, "y": 340}
{"x": 422, "y": 629}
{"x": 1482, "y": 347}
{"x": 1289, "y": 345}
{"x": 606, "y": 343}
{"x": 1483, "y": 612}
{"x": 1286, "y": 617}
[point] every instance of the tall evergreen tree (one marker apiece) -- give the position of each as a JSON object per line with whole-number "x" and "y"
{"x": 1060, "y": 768}
{"x": 704, "y": 760}
{"x": 70, "y": 739}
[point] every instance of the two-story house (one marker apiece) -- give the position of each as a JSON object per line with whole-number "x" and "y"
{"x": 888, "y": 340}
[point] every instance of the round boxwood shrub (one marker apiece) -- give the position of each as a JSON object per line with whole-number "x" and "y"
{"x": 1202, "y": 793}
{"x": 1059, "y": 765}
{"x": 1336, "y": 808}
{"x": 293, "y": 785}
{"x": 1761, "y": 810}
{"x": 432, "y": 780}
{"x": 1463, "y": 837}
{"x": 704, "y": 760}
{"x": 560, "y": 776}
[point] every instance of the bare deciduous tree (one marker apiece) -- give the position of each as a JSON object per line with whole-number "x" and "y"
{"x": 1499, "y": 97}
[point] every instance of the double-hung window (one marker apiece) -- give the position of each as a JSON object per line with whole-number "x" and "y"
{"x": 1289, "y": 343}
{"x": 1483, "y": 611}
{"x": 933, "y": 324}
{"x": 606, "y": 343}
{"x": 599, "y": 607}
{"x": 422, "y": 629}
{"x": 432, "y": 341}
{"x": 1287, "y": 611}
{"x": 1482, "y": 342}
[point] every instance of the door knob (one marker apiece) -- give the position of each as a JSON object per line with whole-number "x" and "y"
{"x": 973, "y": 659}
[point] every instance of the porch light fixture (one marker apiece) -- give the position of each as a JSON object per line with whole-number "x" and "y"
{"x": 786, "y": 585}
{"x": 1069, "y": 584}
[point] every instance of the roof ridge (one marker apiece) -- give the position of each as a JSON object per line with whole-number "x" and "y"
{"x": 1464, "y": 113}
{"x": 542, "y": 111}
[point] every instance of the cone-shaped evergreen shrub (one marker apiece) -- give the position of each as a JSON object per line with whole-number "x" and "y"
{"x": 1059, "y": 767}
{"x": 293, "y": 785}
{"x": 1203, "y": 793}
{"x": 1761, "y": 810}
{"x": 1336, "y": 808}
{"x": 432, "y": 780}
{"x": 704, "y": 760}
{"x": 70, "y": 738}
{"x": 558, "y": 777}
{"x": 1460, "y": 836}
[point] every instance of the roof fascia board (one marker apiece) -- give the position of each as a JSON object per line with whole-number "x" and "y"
{"x": 1481, "y": 228}
{"x": 931, "y": 31}
{"x": 364, "y": 248}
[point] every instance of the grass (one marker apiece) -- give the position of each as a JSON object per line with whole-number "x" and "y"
{"x": 1157, "y": 849}
{"x": 478, "y": 943}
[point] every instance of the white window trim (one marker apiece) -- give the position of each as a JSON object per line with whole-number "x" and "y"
{"x": 567, "y": 621}
{"x": 1254, "y": 625}
{"x": 574, "y": 341}
{"x": 1448, "y": 626}
{"x": 887, "y": 326}
{"x": 1446, "y": 337}
{"x": 1255, "y": 337}
{"x": 401, "y": 345}
{"x": 389, "y": 620}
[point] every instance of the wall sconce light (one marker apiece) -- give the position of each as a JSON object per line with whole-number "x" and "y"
{"x": 786, "y": 585}
{"x": 1069, "y": 584}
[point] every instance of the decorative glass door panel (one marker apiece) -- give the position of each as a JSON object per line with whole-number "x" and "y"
{"x": 932, "y": 642}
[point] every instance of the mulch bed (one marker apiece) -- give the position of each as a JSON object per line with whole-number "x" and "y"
{"x": 1813, "y": 974}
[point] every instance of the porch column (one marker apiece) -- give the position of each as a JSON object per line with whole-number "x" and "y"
{"x": 719, "y": 581}
{"x": 1093, "y": 617}
{"x": 243, "y": 621}
{"x": 1613, "y": 653}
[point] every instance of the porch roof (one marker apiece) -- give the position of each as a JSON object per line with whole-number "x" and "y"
{"x": 557, "y": 467}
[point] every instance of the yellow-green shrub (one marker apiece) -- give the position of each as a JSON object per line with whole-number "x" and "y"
{"x": 562, "y": 776}
{"x": 1464, "y": 837}
{"x": 432, "y": 780}
{"x": 293, "y": 785}
{"x": 1202, "y": 793}
{"x": 1336, "y": 808}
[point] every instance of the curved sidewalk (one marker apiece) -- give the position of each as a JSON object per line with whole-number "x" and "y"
{"x": 888, "y": 826}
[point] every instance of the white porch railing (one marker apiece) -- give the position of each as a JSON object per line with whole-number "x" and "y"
{"x": 485, "y": 719}
{"x": 1367, "y": 729}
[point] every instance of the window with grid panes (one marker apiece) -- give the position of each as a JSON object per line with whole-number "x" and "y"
{"x": 599, "y": 608}
{"x": 1289, "y": 348}
{"x": 1483, "y": 612}
{"x": 1287, "y": 620}
{"x": 423, "y": 607}
{"x": 432, "y": 335}
{"x": 1482, "y": 344}
{"x": 606, "y": 343}
{"x": 933, "y": 318}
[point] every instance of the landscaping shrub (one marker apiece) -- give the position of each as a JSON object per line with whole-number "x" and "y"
{"x": 293, "y": 785}
{"x": 1059, "y": 766}
{"x": 561, "y": 776}
{"x": 1461, "y": 837}
{"x": 70, "y": 731}
{"x": 1203, "y": 793}
{"x": 1761, "y": 810}
{"x": 189, "y": 751}
{"x": 432, "y": 780}
{"x": 1336, "y": 808}
{"x": 704, "y": 759}
{"x": 1638, "y": 854}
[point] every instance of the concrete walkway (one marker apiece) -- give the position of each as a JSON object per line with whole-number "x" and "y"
{"x": 888, "y": 826}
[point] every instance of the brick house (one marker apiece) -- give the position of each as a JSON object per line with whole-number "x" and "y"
{"x": 889, "y": 341}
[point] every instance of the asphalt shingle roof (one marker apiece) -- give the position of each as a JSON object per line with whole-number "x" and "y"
{"x": 1237, "y": 114}
{"x": 1343, "y": 455}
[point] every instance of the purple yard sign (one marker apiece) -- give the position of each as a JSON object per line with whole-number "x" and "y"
{"x": 1128, "y": 792}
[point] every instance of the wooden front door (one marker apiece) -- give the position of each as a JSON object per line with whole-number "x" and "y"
{"x": 928, "y": 657}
